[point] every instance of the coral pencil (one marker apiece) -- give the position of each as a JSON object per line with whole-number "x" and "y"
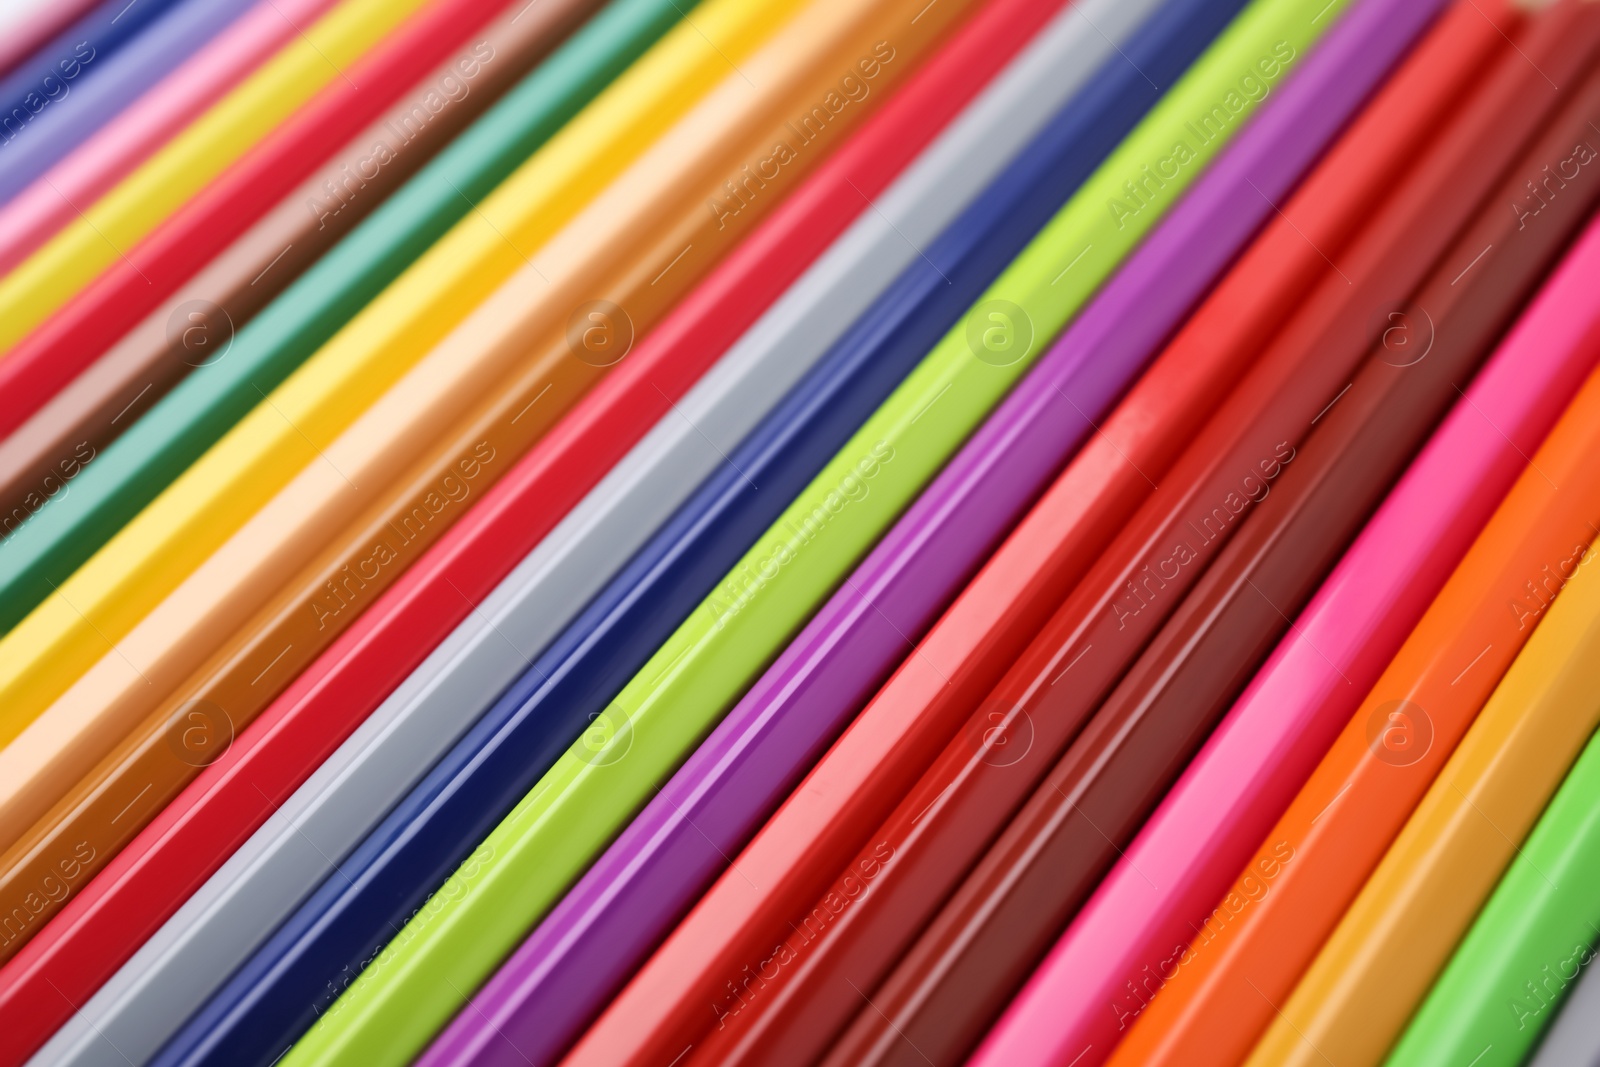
{"x": 736, "y": 925}
{"x": 1472, "y": 822}
{"x": 1140, "y": 932}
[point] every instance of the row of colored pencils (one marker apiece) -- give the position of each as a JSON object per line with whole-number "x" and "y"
{"x": 659, "y": 532}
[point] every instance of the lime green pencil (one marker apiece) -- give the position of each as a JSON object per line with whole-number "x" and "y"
{"x": 1529, "y": 945}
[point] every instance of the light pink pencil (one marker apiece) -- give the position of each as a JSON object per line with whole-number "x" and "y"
{"x": 36, "y": 213}
{"x": 1078, "y": 1003}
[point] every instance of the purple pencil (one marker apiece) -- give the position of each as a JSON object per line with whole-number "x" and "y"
{"x": 562, "y": 975}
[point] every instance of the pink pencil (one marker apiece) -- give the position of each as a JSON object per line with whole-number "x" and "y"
{"x": 1111, "y": 959}
{"x": 34, "y": 215}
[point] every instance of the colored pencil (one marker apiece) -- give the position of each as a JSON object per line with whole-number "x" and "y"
{"x": 34, "y": 289}
{"x": 1575, "y": 1036}
{"x": 74, "y": 56}
{"x": 183, "y": 241}
{"x": 404, "y": 472}
{"x": 402, "y": 318}
{"x": 798, "y": 532}
{"x": 52, "y": 544}
{"x": 644, "y": 883}
{"x": 29, "y": 23}
{"x": 367, "y": 1010}
{"x": 842, "y": 390}
{"x": 1212, "y": 1012}
{"x": 41, "y": 456}
{"x": 368, "y": 461}
{"x": 489, "y": 647}
{"x": 597, "y": 538}
{"x": 944, "y": 824}
{"x": 560, "y": 977}
{"x": 1532, "y": 940}
{"x": 1067, "y": 834}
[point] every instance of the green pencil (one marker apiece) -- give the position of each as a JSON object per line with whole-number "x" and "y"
{"x": 1529, "y": 945}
